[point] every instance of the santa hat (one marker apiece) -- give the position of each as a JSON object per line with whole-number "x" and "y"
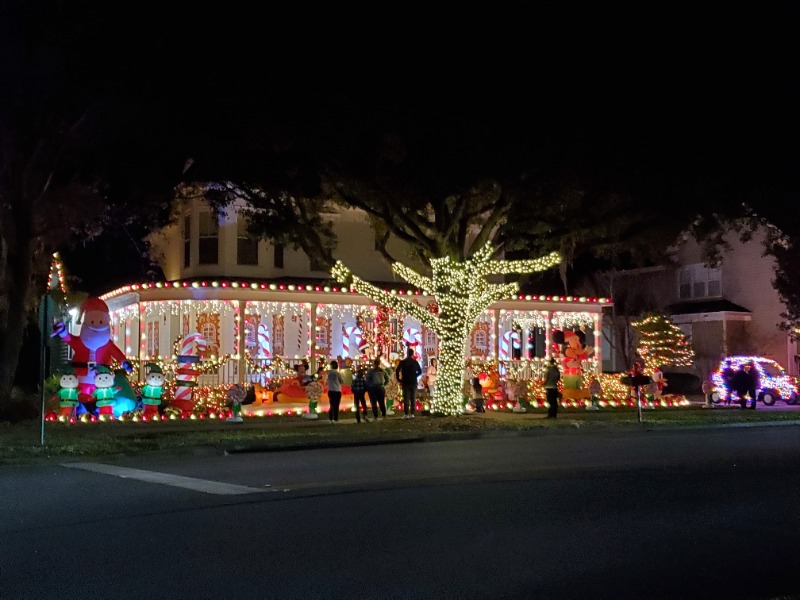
{"x": 93, "y": 304}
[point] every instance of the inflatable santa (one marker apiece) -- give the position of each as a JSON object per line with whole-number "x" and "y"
{"x": 92, "y": 348}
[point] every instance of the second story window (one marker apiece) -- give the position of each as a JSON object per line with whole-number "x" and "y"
{"x": 698, "y": 281}
{"x": 246, "y": 245}
{"x": 187, "y": 240}
{"x": 208, "y": 253}
{"x": 278, "y": 256}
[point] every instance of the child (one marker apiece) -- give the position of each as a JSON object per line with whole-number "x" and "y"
{"x": 359, "y": 388}
{"x": 477, "y": 395}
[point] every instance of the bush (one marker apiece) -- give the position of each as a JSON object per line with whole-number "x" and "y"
{"x": 682, "y": 383}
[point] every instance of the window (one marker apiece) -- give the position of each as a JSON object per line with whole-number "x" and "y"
{"x": 209, "y": 239}
{"x": 699, "y": 281}
{"x": 187, "y": 240}
{"x": 246, "y": 245}
{"x": 278, "y": 256}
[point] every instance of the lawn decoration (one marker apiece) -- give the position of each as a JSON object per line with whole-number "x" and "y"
{"x": 67, "y": 396}
{"x": 152, "y": 390}
{"x": 104, "y": 392}
{"x": 92, "y": 348}
{"x": 314, "y": 392}
{"x": 573, "y": 354}
{"x": 236, "y": 395}
{"x": 192, "y": 347}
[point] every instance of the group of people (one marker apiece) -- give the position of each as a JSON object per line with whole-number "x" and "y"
{"x": 372, "y": 382}
{"x": 744, "y": 382}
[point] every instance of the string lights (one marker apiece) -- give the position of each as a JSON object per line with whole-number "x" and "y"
{"x": 462, "y": 292}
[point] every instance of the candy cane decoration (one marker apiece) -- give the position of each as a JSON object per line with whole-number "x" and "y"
{"x": 509, "y": 338}
{"x": 192, "y": 346}
{"x": 412, "y": 337}
{"x": 350, "y": 333}
{"x": 264, "y": 344}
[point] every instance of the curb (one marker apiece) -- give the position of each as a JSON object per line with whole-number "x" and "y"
{"x": 475, "y": 435}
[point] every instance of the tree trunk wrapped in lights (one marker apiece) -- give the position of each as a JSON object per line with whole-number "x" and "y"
{"x": 462, "y": 293}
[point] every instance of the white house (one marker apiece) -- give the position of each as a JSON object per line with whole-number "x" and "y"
{"x": 253, "y": 302}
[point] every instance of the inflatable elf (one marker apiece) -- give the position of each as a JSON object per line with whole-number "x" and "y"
{"x": 152, "y": 390}
{"x": 104, "y": 392}
{"x": 68, "y": 396}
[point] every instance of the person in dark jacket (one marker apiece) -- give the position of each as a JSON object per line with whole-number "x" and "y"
{"x": 407, "y": 373}
{"x": 727, "y": 380}
{"x": 376, "y": 388}
{"x": 743, "y": 384}
{"x": 755, "y": 383}
{"x": 551, "y": 378}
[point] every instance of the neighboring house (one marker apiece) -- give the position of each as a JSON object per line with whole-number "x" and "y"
{"x": 254, "y": 301}
{"x": 730, "y": 308}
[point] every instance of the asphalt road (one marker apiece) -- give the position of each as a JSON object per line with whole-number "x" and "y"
{"x": 692, "y": 513}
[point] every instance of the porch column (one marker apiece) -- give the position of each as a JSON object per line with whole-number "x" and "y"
{"x": 495, "y": 345}
{"x": 312, "y": 333}
{"x": 547, "y": 328}
{"x": 598, "y": 343}
{"x": 240, "y": 341}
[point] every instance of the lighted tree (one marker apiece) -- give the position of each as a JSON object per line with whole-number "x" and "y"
{"x": 662, "y": 343}
{"x": 462, "y": 293}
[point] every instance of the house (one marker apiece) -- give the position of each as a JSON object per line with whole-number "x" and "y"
{"x": 728, "y": 308}
{"x": 256, "y": 303}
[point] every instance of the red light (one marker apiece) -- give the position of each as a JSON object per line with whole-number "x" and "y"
{"x": 281, "y": 287}
{"x": 224, "y": 284}
{"x": 263, "y": 286}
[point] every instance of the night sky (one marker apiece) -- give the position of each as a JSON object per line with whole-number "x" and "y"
{"x": 665, "y": 97}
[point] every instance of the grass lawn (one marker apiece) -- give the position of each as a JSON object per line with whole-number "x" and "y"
{"x": 20, "y": 443}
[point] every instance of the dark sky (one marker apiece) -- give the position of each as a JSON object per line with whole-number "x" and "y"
{"x": 673, "y": 94}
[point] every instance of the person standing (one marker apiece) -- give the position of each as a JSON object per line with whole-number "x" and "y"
{"x": 359, "y": 388}
{"x": 742, "y": 382}
{"x": 376, "y": 382}
{"x": 335, "y": 382}
{"x": 407, "y": 373}
{"x": 755, "y": 383}
{"x": 477, "y": 395}
{"x": 431, "y": 375}
{"x": 727, "y": 380}
{"x": 551, "y": 378}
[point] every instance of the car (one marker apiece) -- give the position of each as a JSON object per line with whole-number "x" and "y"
{"x": 776, "y": 383}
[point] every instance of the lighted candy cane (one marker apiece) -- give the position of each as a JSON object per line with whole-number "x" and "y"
{"x": 192, "y": 346}
{"x": 350, "y": 333}
{"x": 509, "y": 337}
{"x": 264, "y": 344}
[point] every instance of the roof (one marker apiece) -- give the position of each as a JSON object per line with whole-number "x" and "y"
{"x": 705, "y": 306}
